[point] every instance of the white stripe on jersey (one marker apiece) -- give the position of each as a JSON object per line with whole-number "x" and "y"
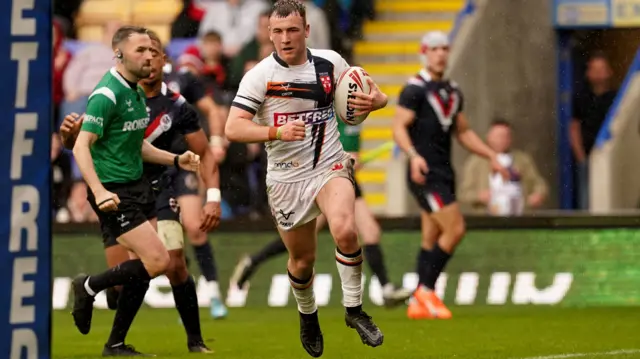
{"x": 276, "y": 94}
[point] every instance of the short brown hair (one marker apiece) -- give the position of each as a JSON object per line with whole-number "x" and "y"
{"x": 212, "y": 35}
{"x": 284, "y": 8}
{"x": 154, "y": 37}
{"x": 124, "y": 32}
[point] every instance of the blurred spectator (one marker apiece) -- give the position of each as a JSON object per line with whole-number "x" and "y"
{"x": 86, "y": 69}
{"x": 319, "y": 36}
{"x": 487, "y": 192}
{"x": 187, "y": 22}
{"x": 590, "y": 107}
{"x": 65, "y": 11}
{"x": 257, "y": 49}
{"x": 61, "y": 59}
{"x": 61, "y": 179}
{"x": 235, "y": 20}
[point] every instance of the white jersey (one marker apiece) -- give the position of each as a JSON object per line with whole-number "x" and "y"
{"x": 277, "y": 93}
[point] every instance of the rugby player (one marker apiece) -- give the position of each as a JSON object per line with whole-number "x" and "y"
{"x": 180, "y": 80}
{"x": 174, "y": 123}
{"x": 286, "y": 101}
{"x": 110, "y": 150}
{"x": 366, "y": 224}
{"x": 429, "y": 112}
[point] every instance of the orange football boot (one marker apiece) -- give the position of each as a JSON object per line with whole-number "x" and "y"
{"x": 417, "y": 311}
{"x": 428, "y": 299}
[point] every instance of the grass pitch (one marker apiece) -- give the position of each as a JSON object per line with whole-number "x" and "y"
{"x": 474, "y": 332}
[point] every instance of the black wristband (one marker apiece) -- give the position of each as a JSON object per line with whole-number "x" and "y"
{"x": 176, "y": 161}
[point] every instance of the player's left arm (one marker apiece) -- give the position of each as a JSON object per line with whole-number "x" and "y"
{"x": 187, "y": 161}
{"x": 472, "y": 142}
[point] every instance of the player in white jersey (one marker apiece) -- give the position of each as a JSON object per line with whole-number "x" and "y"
{"x": 287, "y": 102}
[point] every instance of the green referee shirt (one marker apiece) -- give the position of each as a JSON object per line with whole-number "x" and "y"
{"x": 349, "y": 136}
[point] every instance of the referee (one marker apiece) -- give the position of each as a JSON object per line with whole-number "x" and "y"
{"x": 110, "y": 149}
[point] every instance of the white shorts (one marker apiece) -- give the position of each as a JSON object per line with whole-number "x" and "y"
{"x": 294, "y": 203}
{"x": 171, "y": 234}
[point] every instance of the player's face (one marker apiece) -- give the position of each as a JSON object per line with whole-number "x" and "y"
{"x": 499, "y": 138}
{"x": 137, "y": 55}
{"x": 158, "y": 61}
{"x": 289, "y": 35}
{"x": 437, "y": 58}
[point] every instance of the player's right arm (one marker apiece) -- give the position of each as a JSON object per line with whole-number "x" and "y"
{"x": 408, "y": 107}
{"x": 240, "y": 126}
{"x": 99, "y": 111}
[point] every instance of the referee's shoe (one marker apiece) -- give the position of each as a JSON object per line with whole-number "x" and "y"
{"x": 82, "y": 304}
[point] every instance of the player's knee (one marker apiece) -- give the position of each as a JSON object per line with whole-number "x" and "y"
{"x": 158, "y": 263}
{"x": 302, "y": 262}
{"x": 457, "y": 228}
{"x": 177, "y": 270}
{"x": 344, "y": 233}
{"x": 192, "y": 228}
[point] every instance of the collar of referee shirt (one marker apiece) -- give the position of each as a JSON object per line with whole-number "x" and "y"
{"x": 284, "y": 64}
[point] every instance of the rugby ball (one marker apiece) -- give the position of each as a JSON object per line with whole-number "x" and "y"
{"x": 353, "y": 79}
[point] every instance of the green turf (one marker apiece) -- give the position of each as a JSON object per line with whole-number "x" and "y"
{"x": 475, "y": 332}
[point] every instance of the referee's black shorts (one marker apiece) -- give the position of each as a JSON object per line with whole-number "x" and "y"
{"x": 137, "y": 205}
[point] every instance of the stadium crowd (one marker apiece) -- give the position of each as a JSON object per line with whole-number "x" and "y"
{"x": 232, "y": 37}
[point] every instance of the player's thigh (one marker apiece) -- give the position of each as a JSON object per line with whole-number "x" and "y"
{"x": 144, "y": 241}
{"x": 116, "y": 254}
{"x": 366, "y": 223}
{"x": 190, "y": 213}
{"x": 336, "y": 201}
{"x": 450, "y": 220}
{"x": 301, "y": 241}
{"x": 321, "y": 221}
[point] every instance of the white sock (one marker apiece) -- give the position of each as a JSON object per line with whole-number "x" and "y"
{"x": 303, "y": 292}
{"x": 215, "y": 289}
{"x": 350, "y": 269}
{"x": 88, "y": 289}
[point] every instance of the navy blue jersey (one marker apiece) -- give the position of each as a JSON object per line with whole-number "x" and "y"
{"x": 436, "y": 105}
{"x": 170, "y": 119}
{"x": 185, "y": 83}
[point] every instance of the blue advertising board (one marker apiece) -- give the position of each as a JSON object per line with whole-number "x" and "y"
{"x": 25, "y": 59}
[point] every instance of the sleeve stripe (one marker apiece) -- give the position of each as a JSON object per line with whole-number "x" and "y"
{"x": 106, "y": 92}
{"x": 243, "y": 107}
{"x": 251, "y": 99}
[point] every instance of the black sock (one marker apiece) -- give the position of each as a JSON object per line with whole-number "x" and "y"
{"x": 113, "y": 295}
{"x": 373, "y": 256}
{"x": 129, "y": 303}
{"x": 206, "y": 261}
{"x": 272, "y": 249}
{"x": 126, "y": 272}
{"x": 438, "y": 261}
{"x": 187, "y": 305}
{"x": 354, "y": 310}
{"x": 422, "y": 264}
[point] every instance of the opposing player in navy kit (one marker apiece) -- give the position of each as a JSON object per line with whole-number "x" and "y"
{"x": 180, "y": 80}
{"x": 173, "y": 125}
{"x": 429, "y": 113}
{"x": 286, "y": 101}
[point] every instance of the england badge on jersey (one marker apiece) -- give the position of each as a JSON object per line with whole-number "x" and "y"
{"x": 326, "y": 82}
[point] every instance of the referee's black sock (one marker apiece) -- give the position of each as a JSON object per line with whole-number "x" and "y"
{"x": 373, "y": 257}
{"x": 187, "y": 305}
{"x": 439, "y": 259}
{"x": 123, "y": 273}
{"x": 272, "y": 249}
{"x": 206, "y": 261}
{"x": 129, "y": 303}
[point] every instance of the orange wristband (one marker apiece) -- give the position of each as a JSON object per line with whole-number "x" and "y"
{"x": 273, "y": 133}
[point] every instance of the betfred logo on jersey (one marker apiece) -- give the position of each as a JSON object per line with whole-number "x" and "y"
{"x": 311, "y": 117}
{"x": 135, "y": 125}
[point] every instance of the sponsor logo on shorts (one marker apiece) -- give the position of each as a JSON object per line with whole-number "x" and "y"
{"x": 93, "y": 119}
{"x": 173, "y": 204}
{"x": 337, "y": 167}
{"x": 284, "y": 222}
{"x": 135, "y": 125}
{"x": 123, "y": 220}
{"x": 286, "y": 165}
{"x": 190, "y": 181}
{"x": 312, "y": 117}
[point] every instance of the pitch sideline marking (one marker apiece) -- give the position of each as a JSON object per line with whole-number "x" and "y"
{"x": 578, "y": 355}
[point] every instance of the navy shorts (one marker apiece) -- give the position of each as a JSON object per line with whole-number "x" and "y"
{"x": 434, "y": 195}
{"x": 176, "y": 183}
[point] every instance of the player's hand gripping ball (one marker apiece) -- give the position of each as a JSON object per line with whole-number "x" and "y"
{"x": 356, "y": 96}
{"x": 189, "y": 161}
